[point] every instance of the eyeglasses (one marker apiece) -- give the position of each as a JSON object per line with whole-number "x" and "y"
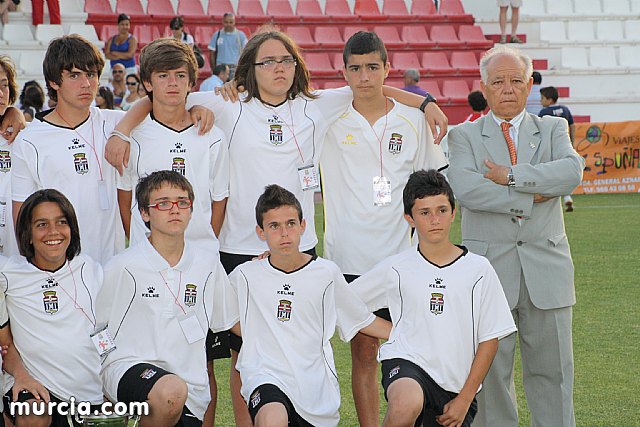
{"x": 270, "y": 64}
{"x": 117, "y": 71}
{"x": 132, "y": 83}
{"x": 167, "y": 205}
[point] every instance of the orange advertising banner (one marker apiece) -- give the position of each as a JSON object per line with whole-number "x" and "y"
{"x": 612, "y": 155}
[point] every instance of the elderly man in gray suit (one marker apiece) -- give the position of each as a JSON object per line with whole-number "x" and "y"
{"x": 509, "y": 170}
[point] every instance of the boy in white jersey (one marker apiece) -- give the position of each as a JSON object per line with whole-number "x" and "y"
{"x": 49, "y": 294}
{"x": 62, "y": 148}
{"x": 8, "y": 95}
{"x": 448, "y": 311}
{"x": 368, "y": 155}
{"x": 159, "y": 298}
{"x": 290, "y": 304}
{"x": 167, "y": 139}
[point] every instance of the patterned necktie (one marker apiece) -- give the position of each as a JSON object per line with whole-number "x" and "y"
{"x": 512, "y": 147}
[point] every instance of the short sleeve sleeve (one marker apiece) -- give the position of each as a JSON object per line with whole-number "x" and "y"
{"x": 224, "y": 301}
{"x": 219, "y": 161}
{"x": 333, "y": 102}
{"x": 24, "y": 173}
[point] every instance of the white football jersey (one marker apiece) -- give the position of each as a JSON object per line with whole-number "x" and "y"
{"x": 287, "y": 320}
{"x": 8, "y": 244}
{"x": 440, "y": 313}
{"x": 267, "y": 145}
{"x": 72, "y": 162}
{"x": 359, "y": 233}
{"x": 52, "y": 318}
{"x": 160, "y": 315}
{"x": 203, "y": 160}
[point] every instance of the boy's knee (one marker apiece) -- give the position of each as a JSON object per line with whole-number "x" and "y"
{"x": 272, "y": 414}
{"x": 405, "y": 399}
{"x": 169, "y": 395}
{"x": 33, "y": 421}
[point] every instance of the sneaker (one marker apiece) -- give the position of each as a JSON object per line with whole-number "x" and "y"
{"x": 515, "y": 39}
{"x": 569, "y": 206}
{"x": 503, "y": 39}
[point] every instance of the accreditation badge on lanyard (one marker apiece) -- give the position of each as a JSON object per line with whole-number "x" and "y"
{"x": 308, "y": 177}
{"x": 102, "y": 341}
{"x": 381, "y": 191}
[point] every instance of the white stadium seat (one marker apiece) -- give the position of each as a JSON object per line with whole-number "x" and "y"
{"x": 18, "y": 35}
{"x": 630, "y": 56}
{"x": 609, "y": 30}
{"x": 531, "y": 7}
{"x": 47, "y": 32}
{"x": 635, "y": 6}
{"x": 574, "y": 57}
{"x": 581, "y": 31}
{"x": 31, "y": 62}
{"x": 86, "y": 31}
{"x": 553, "y": 31}
{"x": 70, "y": 6}
{"x": 632, "y": 30}
{"x": 588, "y": 7}
{"x": 603, "y": 57}
{"x": 560, "y": 7}
{"x": 616, "y": 7}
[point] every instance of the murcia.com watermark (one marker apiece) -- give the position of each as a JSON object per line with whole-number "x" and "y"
{"x": 82, "y": 409}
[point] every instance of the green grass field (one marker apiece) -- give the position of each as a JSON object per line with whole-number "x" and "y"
{"x": 604, "y": 233}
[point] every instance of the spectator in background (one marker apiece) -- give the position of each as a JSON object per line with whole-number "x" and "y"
{"x": 6, "y": 6}
{"x": 31, "y": 99}
{"x": 549, "y": 99}
{"x": 177, "y": 26}
{"x": 218, "y": 78}
{"x": 121, "y": 48}
{"x": 478, "y": 104}
{"x": 515, "y": 14}
{"x": 132, "y": 95}
{"x": 104, "y": 98}
{"x": 533, "y": 100}
{"x": 227, "y": 44}
{"x": 117, "y": 84}
{"x": 411, "y": 78}
{"x": 37, "y": 11}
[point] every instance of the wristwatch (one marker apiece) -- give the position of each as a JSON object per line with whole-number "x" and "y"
{"x": 427, "y": 99}
{"x": 511, "y": 181}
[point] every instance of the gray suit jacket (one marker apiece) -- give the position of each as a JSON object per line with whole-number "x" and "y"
{"x": 536, "y": 243}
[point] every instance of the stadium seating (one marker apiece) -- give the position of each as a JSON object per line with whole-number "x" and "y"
{"x": 309, "y": 10}
{"x": 395, "y": 9}
{"x": 338, "y": 10}
{"x": 203, "y": 36}
{"x": 533, "y": 7}
{"x": 328, "y": 37}
{"x": 145, "y": 34}
{"x": 553, "y": 31}
{"x": 444, "y": 36}
{"x": 630, "y": 56}
{"x": 46, "y": 32}
{"x": 190, "y": 9}
{"x": 319, "y": 64}
{"x": 389, "y": 35}
{"x": 30, "y": 61}
{"x": 581, "y": 31}
{"x": 217, "y": 8}
{"x": 616, "y": 7}
{"x": 350, "y": 30}
{"x": 602, "y": 57}
{"x": 133, "y": 8}
{"x": 464, "y": 62}
{"x": 451, "y": 7}
{"x": 416, "y": 36}
{"x": 400, "y": 61}
{"x": 472, "y": 36}
{"x": 161, "y": 9}
{"x": 432, "y": 87}
{"x": 589, "y": 7}
{"x": 368, "y": 10}
{"x": 250, "y": 11}
{"x": 609, "y": 31}
{"x": 574, "y": 57}
{"x": 632, "y": 30}
{"x": 560, "y": 7}
{"x": 455, "y": 90}
{"x": 435, "y": 63}
{"x": 86, "y": 31}
{"x": 280, "y": 11}
{"x": 19, "y": 36}
{"x": 423, "y": 9}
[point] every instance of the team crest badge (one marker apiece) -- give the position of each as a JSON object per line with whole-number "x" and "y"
{"x": 81, "y": 163}
{"x": 148, "y": 374}
{"x": 284, "y": 310}
{"x": 395, "y": 143}
{"x": 436, "y": 304}
{"x": 275, "y": 134}
{"x": 50, "y": 300}
{"x": 5, "y": 161}
{"x": 255, "y": 399}
{"x": 190, "y": 295}
{"x": 178, "y": 165}
{"x": 394, "y": 372}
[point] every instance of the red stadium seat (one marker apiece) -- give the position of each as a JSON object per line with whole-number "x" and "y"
{"x": 190, "y": 8}
{"x": 250, "y": 10}
{"x": 338, "y": 63}
{"x": 160, "y": 8}
{"x": 423, "y": 8}
{"x": 302, "y": 36}
{"x": 368, "y": 10}
{"x": 395, "y": 8}
{"x": 444, "y": 36}
{"x": 319, "y": 64}
{"x": 333, "y": 84}
{"x": 455, "y": 90}
{"x": 350, "y": 30}
{"x": 309, "y": 9}
{"x": 107, "y": 32}
{"x": 328, "y": 37}
{"x": 431, "y": 86}
{"x": 416, "y": 37}
{"x": 475, "y": 85}
{"x": 99, "y": 7}
{"x": 451, "y": 7}
{"x": 464, "y": 62}
{"x": 472, "y": 36}
{"x": 280, "y": 11}
{"x": 130, "y": 7}
{"x": 217, "y": 8}
{"x": 389, "y": 35}
{"x": 203, "y": 36}
{"x": 145, "y": 34}
{"x": 338, "y": 10}
{"x": 435, "y": 63}
{"x": 400, "y": 61}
